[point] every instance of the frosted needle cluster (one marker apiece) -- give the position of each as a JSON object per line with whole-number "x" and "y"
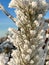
{"x": 30, "y": 36}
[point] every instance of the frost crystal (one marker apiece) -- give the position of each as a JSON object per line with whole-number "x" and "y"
{"x": 30, "y": 38}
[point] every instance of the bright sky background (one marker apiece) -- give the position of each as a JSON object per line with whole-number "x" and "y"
{"x": 5, "y": 22}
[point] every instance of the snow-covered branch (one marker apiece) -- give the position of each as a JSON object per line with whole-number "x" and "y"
{"x": 7, "y": 13}
{"x": 30, "y": 39}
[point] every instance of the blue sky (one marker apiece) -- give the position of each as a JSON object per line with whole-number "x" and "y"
{"x": 5, "y": 22}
